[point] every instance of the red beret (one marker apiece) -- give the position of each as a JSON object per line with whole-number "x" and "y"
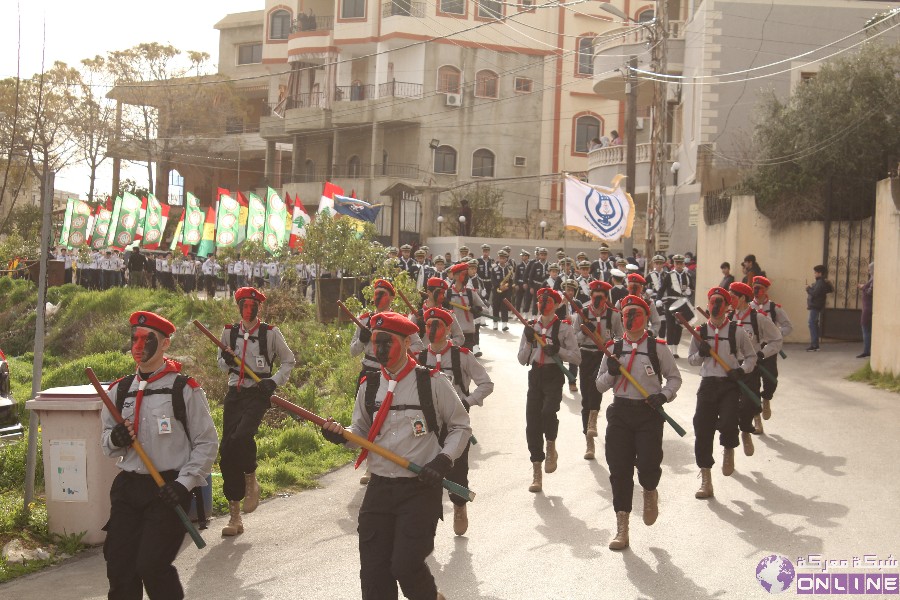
{"x": 634, "y": 301}
{"x": 760, "y": 280}
{"x": 384, "y": 284}
{"x": 739, "y": 287}
{"x": 599, "y": 284}
{"x": 393, "y": 323}
{"x": 636, "y": 278}
{"x": 438, "y": 282}
{"x": 557, "y": 297}
{"x": 718, "y": 291}
{"x": 460, "y": 267}
{"x": 249, "y": 292}
{"x": 153, "y": 321}
{"x": 438, "y": 313}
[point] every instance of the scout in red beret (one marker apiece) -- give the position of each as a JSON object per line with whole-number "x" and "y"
{"x": 741, "y": 288}
{"x": 249, "y": 292}
{"x": 150, "y": 338}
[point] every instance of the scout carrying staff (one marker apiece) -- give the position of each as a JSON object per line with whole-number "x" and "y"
{"x": 717, "y": 397}
{"x": 258, "y": 345}
{"x": 766, "y": 339}
{"x": 634, "y": 429}
{"x": 635, "y": 284}
{"x": 766, "y": 306}
{"x": 477, "y": 286}
{"x": 567, "y": 311}
{"x": 601, "y": 320}
{"x": 545, "y": 381}
{"x": 466, "y": 304}
{"x": 399, "y": 512}
{"x": 434, "y": 297}
{"x": 167, "y": 412}
{"x": 502, "y": 275}
{"x": 463, "y": 369}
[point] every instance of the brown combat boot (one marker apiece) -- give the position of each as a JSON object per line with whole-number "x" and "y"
{"x": 460, "y": 519}
{"x": 235, "y": 526}
{"x": 706, "y": 487}
{"x": 757, "y": 423}
{"x": 589, "y": 452}
{"x": 536, "y": 482}
{"x": 651, "y": 506}
{"x": 620, "y": 542}
{"x": 440, "y": 596}
{"x": 251, "y": 492}
{"x": 747, "y": 442}
{"x": 365, "y": 478}
{"x": 727, "y": 462}
{"x": 767, "y": 409}
{"x": 552, "y": 457}
{"x": 592, "y": 423}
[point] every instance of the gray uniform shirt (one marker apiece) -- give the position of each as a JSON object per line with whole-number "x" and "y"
{"x": 254, "y": 359}
{"x": 642, "y": 371}
{"x": 470, "y": 369}
{"x": 456, "y": 332}
{"x": 779, "y": 316}
{"x": 192, "y": 458}
{"x": 770, "y": 340}
{"x": 465, "y": 317}
{"x": 599, "y": 320}
{"x": 398, "y": 432}
{"x": 534, "y": 353}
{"x": 357, "y": 346}
{"x": 745, "y": 359}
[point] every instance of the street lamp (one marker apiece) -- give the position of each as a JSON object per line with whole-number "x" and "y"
{"x": 440, "y": 221}
{"x": 676, "y": 166}
{"x": 462, "y": 224}
{"x": 543, "y": 227}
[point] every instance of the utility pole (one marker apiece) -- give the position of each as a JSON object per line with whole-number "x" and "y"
{"x": 656, "y": 218}
{"x": 631, "y": 92}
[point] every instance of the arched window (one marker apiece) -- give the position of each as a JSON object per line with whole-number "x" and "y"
{"x": 486, "y": 84}
{"x": 646, "y": 16}
{"x": 585, "y": 56}
{"x": 587, "y": 127}
{"x": 353, "y": 167}
{"x": 279, "y": 25}
{"x": 448, "y": 80}
{"x": 310, "y": 171}
{"x": 483, "y": 163}
{"x": 445, "y": 160}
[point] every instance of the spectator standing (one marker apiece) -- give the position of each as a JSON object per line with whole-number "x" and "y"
{"x": 136, "y": 263}
{"x": 615, "y": 140}
{"x": 815, "y": 302}
{"x": 865, "y": 320}
{"x": 751, "y": 269}
{"x": 727, "y": 277}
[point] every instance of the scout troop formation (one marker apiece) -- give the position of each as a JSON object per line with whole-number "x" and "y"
{"x": 420, "y": 377}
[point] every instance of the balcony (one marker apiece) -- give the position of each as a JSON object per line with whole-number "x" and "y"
{"x": 606, "y": 163}
{"x": 402, "y": 8}
{"x": 306, "y": 23}
{"x": 354, "y": 93}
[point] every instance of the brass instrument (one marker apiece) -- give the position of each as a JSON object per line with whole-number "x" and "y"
{"x": 504, "y": 283}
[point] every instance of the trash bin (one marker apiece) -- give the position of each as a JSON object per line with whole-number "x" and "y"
{"x": 77, "y": 476}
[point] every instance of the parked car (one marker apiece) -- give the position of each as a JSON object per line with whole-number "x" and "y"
{"x": 11, "y": 429}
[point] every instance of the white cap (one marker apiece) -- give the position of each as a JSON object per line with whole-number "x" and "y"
{"x": 632, "y": 268}
{"x": 616, "y": 273}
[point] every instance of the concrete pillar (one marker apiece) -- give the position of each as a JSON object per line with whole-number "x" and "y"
{"x": 335, "y": 154}
{"x": 374, "y": 154}
{"x": 270, "y": 163}
{"x": 296, "y": 163}
{"x": 396, "y": 204}
{"x": 429, "y": 199}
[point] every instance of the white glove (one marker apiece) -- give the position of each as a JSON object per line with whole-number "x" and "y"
{"x": 659, "y": 304}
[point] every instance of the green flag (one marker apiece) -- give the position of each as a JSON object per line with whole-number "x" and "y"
{"x": 276, "y": 222}
{"x": 228, "y": 218}
{"x": 256, "y": 219}
{"x": 78, "y": 228}
{"x": 192, "y": 231}
{"x": 152, "y": 223}
{"x": 208, "y": 243}
{"x": 124, "y": 221}
{"x": 101, "y": 229}
{"x": 67, "y": 221}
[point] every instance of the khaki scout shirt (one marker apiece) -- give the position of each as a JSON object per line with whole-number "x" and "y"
{"x": 470, "y": 369}
{"x": 642, "y": 370}
{"x": 254, "y": 359}
{"x": 709, "y": 367}
{"x": 534, "y": 353}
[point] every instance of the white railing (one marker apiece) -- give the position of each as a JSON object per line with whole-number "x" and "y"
{"x": 635, "y": 35}
{"x": 615, "y": 155}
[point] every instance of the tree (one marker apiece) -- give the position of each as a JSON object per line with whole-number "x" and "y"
{"x": 832, "y": 139}
{"x": 92, "y": 117}
{"x": 486, "y": 202}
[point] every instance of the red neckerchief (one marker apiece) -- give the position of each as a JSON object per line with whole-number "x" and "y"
{"x": 462, "y": 301}
{"x": 385, "y": 405}
{"x": 543, "y": 333}
{"x": 716, "y": 331}
{"x": 247, "y": 335}
{"x": 740, "y": 320}
{"x": 169, "y": 366}
{"x": 437, "y": 356}
{"x": 623, "y": 384}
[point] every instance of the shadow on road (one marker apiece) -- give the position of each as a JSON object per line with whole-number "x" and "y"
{"x": 761, "y": 532}
{"x": 561, "y": 528}
{"x": 457, "y": 578}
{"x": 779, "y": 500}
{"x": 678, "y": 455}
{"x": 666, "y": 581}
{"x": 799, "y": 455}
{"x": 217, "y": 571}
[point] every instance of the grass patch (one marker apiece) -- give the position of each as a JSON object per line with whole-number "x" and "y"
{"x": 884, "y": 381}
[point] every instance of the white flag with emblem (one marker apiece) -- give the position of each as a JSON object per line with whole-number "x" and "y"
{"x": 602, "y": 213}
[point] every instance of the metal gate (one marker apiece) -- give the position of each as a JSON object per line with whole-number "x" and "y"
{"x": 850, "y": 248}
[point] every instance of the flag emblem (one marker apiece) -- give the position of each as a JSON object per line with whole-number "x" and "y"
{"x": 195, "y": 218}
{"x": 600, "y": 212}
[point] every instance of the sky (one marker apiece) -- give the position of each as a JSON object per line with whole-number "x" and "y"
{"x": 76, "y": 30}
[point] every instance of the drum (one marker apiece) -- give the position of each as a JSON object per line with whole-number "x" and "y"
{"x": 684, "y": 307}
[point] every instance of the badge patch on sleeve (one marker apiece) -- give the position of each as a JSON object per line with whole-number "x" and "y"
{"x": 418, "y": 426}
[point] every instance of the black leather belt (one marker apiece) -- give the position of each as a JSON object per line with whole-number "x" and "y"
{"x": 379, "y": 480}
{"x": 629, "y": 401}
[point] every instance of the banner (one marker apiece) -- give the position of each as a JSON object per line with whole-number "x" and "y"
{"x": 208, "y": 243}
{"x": 245, "y": 215}
{"x": 298, "y": 223}
{"x": 276, "y": 219}
{"x": 326, "y": 203}
{"x": 177, "y": 238}
{"x": 79, "y": 226}
{"x": 101, "y": 228}
{"x": 256, "y": 218}
{"x": 601, "y": 213}
{"x": 67, "y": 221}
{"x": 351, "y": 207}
{"x": 124, "y": 221}
{"x": 228, "y": 217}
{"x": 192, "y": 231}
{"x": 153, "y": 224}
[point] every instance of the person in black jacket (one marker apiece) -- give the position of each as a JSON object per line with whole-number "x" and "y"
{"x": 815, "y": 303}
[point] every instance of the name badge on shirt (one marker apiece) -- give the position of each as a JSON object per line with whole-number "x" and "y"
{"x": 650, "y": 371}
{"x": 418, "y": 426}
{"x": 260, "y": 362}
{"x": 165, "y": 425}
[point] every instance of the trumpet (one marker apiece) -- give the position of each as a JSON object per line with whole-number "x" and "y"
{"x": 504, "y": 283}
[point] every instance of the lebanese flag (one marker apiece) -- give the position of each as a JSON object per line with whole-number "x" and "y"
{"x": 298, "y": 224}
{"x": 289, "y": 205}
{"x": 326, "y": 203}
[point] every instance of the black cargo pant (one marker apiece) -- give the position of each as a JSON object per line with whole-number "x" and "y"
{"x": 634, "y": 433}
{"x": 143, "y": 536}
{"x": 768, "y": 386}
{"x": 459, "y": 473}
{"x": 545, "y": 385}
{"x": 397, "y": 522}
{"x": 243, "y": 412}
{"x": 523, "y": 299}
{"x": 717, "y": 409}
{"x": 673, "y": 328}
{"x": 587, "y": 377}
{"x": 747, "y": 407}
{"x": 499, "y": 307}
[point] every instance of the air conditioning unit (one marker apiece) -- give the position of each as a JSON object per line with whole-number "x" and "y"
{"x": 639, "y": 123}
{"x": 454, "y": 100}
{"x": 519, "y": 160}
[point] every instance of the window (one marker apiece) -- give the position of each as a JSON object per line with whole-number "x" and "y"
{"x": 585, "y": 56}
{"x": 519, "y": 161}
{"x": 483, "y": 163}
{"x": 486, "y": 84}
{"x": 523, "y": 85}
{"x": 249, "y": 54}
{"x": 448, "y": 80}
{"x": 445, "y": 160}
{"x": 353, "y": 9}
{"x": 527, "y": 4}
{"x": 646, "y": 16}
{"x": 586, "y": 129}
{"x": 279, "y": 25}
{"x": 453, "y": 7}
{"x": 490, "y": 9}
{"x": 353, "y": 167}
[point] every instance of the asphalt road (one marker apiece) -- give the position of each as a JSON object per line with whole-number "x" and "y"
{"x": 823, "y": 481}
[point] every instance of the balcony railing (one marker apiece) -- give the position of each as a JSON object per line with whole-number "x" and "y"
{"x": 634, "y": 35}
{"x": 402, "y": 8}
{"x": 354, "y": 93}
{"x": 615, "y": 155}
{"x": 399, "y": 89}
{"x": 312, "y": 23}
{"x": 360, "y": 171}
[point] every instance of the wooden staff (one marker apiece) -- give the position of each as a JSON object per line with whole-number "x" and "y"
{"x": 189, "y": 527}
{"x": 450, "y": 486}
{"x": 715, "y": 355}
{"x": 643, "y": 392}
{"x": 349, "y": 314}
{"x": 540, "y": 341}
{"x": 226, "y": 349}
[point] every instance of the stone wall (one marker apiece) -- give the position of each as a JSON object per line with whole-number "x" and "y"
{"x": 886, "y": 328}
